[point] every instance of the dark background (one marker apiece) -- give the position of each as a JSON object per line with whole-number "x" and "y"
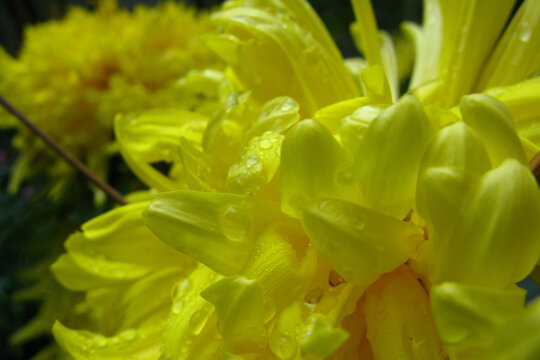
{"x": 28, "y": 220}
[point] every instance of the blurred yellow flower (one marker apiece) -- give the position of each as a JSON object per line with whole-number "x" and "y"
{"x": 318, "y": 214}
{"x": 73, "y": 76}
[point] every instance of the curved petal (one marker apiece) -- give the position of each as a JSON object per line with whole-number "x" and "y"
{"x": 387, "y": 175}
{"x": 496, "y": 241}
{"x": 467, "y": 316}
{"x": 361, "y": 244}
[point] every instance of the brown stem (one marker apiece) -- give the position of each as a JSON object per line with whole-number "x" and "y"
{"x": 112, "y": 193}
{"x": 534, "y": 165}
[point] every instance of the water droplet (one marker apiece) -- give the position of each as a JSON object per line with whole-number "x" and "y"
{"x": 334, "y": 279}
{"x": 177, "y": 307}
{"x": 129, "y": 334}
{"x": 345, "y": 175}
{"x": 244, "y": 19}
{"x": 525, "y": 32}
{"x": 327, "y": 206}
{"x": 252, "y": 161}
{"x": 287, "y": 105}
{"x": 358, "y": 223}
{"x": 269, "y": 310}
{"x": 180, "y": 290}
{"x": 265, "y": 144}
{"x": 198, "y": 321}
{"x": 282, "y": 344}
{"x": 100, "y": 341}
{"x": 234, "y": 223}
{"x": 313, "y": 296}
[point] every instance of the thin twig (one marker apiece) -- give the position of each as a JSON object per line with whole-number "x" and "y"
{"x": 534, "y": 165}
{"x": 112, "y": 193}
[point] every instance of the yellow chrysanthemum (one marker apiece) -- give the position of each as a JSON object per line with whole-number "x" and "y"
{"x": 317, "y": 216}
{"x": 74, "y": 75}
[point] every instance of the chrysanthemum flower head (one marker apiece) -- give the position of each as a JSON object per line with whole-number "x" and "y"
{"x": 316, "y": 215}
{"x": 72, "y": 76}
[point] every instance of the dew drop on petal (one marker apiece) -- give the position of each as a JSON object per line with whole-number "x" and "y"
{"x": 234, "y": 223}
{"x": 198, "y": 321}
{"x": 334, "y": 279}
{"x": 313, "y": 296}
{"x": 129, "y": 334}
{"x": 177, "y": 307}
{"x": 100, "y": 341}
{"x": 358, "y": 223}
{"x": 525, "y": 32}
{"x": 265, "y": 144}
{"x": 180, "y": 290}
{"x": 289, "y": 104}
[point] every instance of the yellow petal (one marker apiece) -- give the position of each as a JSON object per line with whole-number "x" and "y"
{"x": 215, "y": 229}
{"x": 191, "y": 328}
{"x": 377, "y": 84}
{"x": 277, "y": 115}
{"x": 310, "y": 161}
{"x": 493, "y": 124}
{"x": 319, "y": 338}
{"x": 267, "y": 44}
{"x": 496, "y": 240}
{"x": 80, "y": 271}
{"x": 152, "y": 137}
{"x": 516, "y": 56}
{"x": 260, "y": 161}
{"x": 470, "y": 30}
{"x": 427, "y": 42}
{"x": 387, "y": 177}
{"x": 365, "y": 31}
{"x": 275, "y": 263}
{"x": 359, "y": 243}
{"x": 467, "y": 316}
{"x": 239, "y": 307}
{"x": 398, "y": 319}
{"x": 330, "y": 116}
{"x": 517, "y": 339}
{"x": 523, "y": 102}
{"x": 452, "y": 164}
{"x": 143, "y": 344}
